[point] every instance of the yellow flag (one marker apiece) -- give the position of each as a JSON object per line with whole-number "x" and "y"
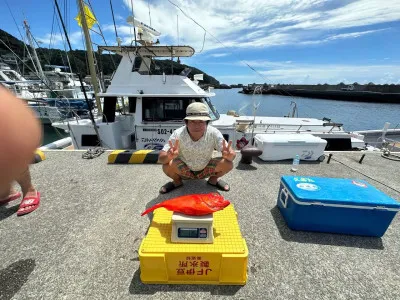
{"x": 90, "y": 19}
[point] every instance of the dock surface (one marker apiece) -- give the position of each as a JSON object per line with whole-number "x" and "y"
{"x": 83, "y": 240}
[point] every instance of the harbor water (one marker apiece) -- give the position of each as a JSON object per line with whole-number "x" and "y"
{"x": 51, "y": 134}
{"x": 353, "y": 115}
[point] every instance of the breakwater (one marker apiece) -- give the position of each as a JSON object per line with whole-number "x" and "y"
{"x": 360, "y": 93}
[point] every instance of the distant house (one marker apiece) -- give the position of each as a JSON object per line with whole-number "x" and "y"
{"x": 350, "y": 87}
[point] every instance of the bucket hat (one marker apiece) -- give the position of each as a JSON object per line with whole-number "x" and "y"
{"x": 197, "y": 111}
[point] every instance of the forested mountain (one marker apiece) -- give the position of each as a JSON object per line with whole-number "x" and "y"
{"x": 107, "y": 62}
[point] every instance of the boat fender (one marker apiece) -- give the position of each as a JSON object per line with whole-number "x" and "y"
{"x": 39, "y": 156}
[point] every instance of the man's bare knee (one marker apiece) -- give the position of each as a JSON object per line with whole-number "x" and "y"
{"x": 170, "y": 168}
{"x": 224, "y": 166}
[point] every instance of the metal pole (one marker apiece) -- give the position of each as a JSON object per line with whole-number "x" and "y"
{"x": 134, "y": 28}
{"x": 79, "y": 76}
{"x": 89, "y": 50}
{"x": 39, "y": 66}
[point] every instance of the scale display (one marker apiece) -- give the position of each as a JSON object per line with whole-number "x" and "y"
{"x": 192, "y": 229}
{"x": 192, "y": 233}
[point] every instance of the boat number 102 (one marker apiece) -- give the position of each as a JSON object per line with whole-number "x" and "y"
{"x": 165, "y": 131}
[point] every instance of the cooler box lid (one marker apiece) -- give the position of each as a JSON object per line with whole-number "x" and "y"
{"x": 337, "y": 191}
{"x": 289, "y": 138}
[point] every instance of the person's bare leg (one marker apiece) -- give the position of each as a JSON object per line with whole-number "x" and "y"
{"x": 222, "y": 167}
{"x": 6, "y": 191}
{"x": 28, "y": 190}
{"x": 172, "y": 171}
{"x": 24, "y": 180}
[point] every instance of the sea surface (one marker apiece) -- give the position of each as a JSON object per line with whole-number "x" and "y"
{"x": 51, "y": 134}
{"x": 353, "y": 115}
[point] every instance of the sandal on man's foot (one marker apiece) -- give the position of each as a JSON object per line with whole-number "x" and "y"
{"x": 166, "y": 188}
{"x": 221, "y": 185}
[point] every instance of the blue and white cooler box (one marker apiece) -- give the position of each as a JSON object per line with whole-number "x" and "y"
{"x": 337, "y": 205}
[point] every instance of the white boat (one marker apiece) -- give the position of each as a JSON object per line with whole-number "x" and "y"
{"x": 153, "y": 106}
{"x": 64, "y": 84}
{"x": 386, "y": 137}
{"x": 26, "y": 90}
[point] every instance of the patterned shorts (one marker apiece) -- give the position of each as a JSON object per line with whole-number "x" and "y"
{"x": 186, "y": 173}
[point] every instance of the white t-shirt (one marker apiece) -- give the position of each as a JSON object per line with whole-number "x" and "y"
{"x": 196, "y": 154}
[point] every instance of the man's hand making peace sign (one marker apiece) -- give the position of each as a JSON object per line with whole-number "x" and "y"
{"x": 227, "y": 151}
{"x": 173, "y": 151}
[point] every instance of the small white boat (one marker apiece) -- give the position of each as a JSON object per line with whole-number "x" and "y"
{"x": 386, "y": 137}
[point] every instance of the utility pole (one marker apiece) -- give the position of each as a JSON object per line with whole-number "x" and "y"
{"x": 35, "y": 56}
{"x": 89, "y": 50}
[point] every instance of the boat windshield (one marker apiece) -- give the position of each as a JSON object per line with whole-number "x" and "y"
{"x": 213, "y": 111}
{"x": 10, "y": 74}
{"x": 156, "y": 109}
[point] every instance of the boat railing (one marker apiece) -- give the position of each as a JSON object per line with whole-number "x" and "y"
{"x": 243, "y": 125}
{"x": 67, "y": 117}
{"x": 105, "y": 117}
{"x": 389, "y": 143}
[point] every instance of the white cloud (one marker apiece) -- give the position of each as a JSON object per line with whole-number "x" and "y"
{"x": 119, "y": 18}
{"x": 352, "y": 34}
{"x": 263, "y": 23}
{"x": 334, "y": 73}
{"x": 357, "y": 13}
{"x": 58, "y": 40}
{"x": 219, "y": 54}
{"x": 282, "y": 72}
{"x": 52, "y": 40}
{"x": 342, "y": 36}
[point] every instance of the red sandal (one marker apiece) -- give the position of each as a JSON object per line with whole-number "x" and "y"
{"x": 31, "y": 201}
{"x": 10, "y": 198}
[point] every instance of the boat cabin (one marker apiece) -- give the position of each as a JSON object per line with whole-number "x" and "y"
{"x": 142, "y": 109}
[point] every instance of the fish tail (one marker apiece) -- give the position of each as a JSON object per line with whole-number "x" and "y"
{"x": 151, "y": 209}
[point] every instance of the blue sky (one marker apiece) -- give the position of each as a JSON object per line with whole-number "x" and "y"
{"x": 285, "y": 41}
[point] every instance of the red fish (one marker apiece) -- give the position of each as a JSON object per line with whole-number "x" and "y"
{"x": 193, "y": 205}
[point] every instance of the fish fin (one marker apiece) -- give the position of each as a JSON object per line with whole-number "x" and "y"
{"x": 151, "y": 209}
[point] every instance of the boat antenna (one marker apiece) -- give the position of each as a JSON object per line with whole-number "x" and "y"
{"x": 148, "y": 3}
{"x": 205, "y": 31}
{"x": 134, "y": 28}
{"x": 177, "y": 30}
{"x": 257, "y": 90}
{"x": 177, "y": 27}
{"x": 83, "y": 20}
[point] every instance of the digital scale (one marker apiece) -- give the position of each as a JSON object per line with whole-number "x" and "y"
{"x": 192, "y": 229}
